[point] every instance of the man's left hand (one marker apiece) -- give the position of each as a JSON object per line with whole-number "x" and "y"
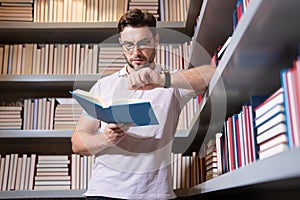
{"x": 145, "y": 79}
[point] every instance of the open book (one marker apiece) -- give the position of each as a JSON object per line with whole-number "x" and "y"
{"x": 135, "y": 111}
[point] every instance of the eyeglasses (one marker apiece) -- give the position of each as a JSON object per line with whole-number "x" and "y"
{"x": 142, "y": 44}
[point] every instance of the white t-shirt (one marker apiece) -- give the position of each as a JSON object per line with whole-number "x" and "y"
{"x": 140, "y": 166}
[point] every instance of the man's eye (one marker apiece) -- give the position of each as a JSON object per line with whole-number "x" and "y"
{"x": 128, "y": 45}
{"x": 144, "y": 43}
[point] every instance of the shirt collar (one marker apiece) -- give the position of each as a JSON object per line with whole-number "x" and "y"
{"x": 123, "y": 72}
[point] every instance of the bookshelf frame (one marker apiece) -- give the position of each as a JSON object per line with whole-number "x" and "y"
{"x": 22, "y": 86}
{"x": 264, "y": 42}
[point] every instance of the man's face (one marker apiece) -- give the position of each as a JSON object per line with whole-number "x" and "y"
{"x": 139, "y": 46}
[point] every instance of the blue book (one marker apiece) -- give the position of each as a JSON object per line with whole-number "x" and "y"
{"x": 138, "y": 112}
{"x": 286, "y": 105}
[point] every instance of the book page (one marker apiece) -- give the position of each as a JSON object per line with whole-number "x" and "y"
{"x": 91, "y": 97}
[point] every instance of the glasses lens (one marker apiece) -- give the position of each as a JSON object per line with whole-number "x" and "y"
{"x": 142, "y": 44}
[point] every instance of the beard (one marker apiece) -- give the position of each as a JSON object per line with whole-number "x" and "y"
{"x": 140, "y": 56}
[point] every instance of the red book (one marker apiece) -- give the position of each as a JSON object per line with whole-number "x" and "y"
{"x": 230, "y": 143}
{"x": 297, "y": 94}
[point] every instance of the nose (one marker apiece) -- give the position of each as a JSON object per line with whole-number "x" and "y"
{"x": 136, "y": 49}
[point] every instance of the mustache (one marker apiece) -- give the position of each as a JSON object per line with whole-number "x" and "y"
{"x": 138, "y": 57}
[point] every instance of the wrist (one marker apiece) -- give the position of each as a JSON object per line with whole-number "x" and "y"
{"x": 167, "y": 77}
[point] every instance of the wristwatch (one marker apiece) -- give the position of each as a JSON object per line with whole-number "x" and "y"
{"x": 167, "y": 78}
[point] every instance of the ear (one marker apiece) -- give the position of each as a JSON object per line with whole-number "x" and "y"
{"x": 157, "y": 37}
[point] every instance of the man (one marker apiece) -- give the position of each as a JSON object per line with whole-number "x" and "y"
{"x": 134, "y": 162}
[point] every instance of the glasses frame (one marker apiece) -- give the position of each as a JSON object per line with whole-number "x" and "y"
{"x": 137, "y": 44}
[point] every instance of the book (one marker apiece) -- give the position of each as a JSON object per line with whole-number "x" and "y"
{"x": 273, "y": 150}
{"x": 281, "y": 138}
{"x": 275, "y": 99}
{"x": 272, "y": 132}
{"x": 137, "y": 111}
{"x": 268, "y": 115}
{"x": 278, "y": 118}
{"x": 51, "y": 187}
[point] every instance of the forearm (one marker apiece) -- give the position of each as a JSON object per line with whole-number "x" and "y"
{"x": 84, "y": 143}
{"x": 196, "y": 79}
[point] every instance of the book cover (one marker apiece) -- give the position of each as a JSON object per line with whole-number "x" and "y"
{"x": 281, "y": 138}
{"x": 268, "y": 115}
{"x": 276, "y": 98}
{"x": 284, "y": 84}
{"x": 273, "y": 150}
{"x": 138, "y": 112}
{"x": 272, "y": 132}
{"x": 278, "y": 118}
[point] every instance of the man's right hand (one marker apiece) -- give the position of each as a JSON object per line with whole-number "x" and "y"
{"x": 114, "y": 133}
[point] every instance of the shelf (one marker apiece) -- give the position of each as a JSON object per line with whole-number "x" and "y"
{"x": 254, "y": 174}
{"x": 35, "y": 133}
{"x": 265, "y": 173}
{"x": 88, "y": 32}
{"x": 63, "y": 32}
{"x": 215, "y": 24}
{"x": 45, "y": 85}
{"x": 56, "y": 133}
{"x": 261, "y": 46}
{"x": 41, "y": 194}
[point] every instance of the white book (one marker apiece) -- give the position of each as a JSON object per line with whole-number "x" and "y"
{"x": 55, "y": 182}
{"x": 26, "y": 180}
{"x": 77, "y": 177}
{"x": 52, "y": 173}
{"x": 5, "y": 173}
{"x": 279, "y": 118}
{"x": 279, "y": 128}
{"x": 193, "y": 169}
{"x": 282, "y": 138}
{"x": 241, "y": 126}
{"x": 175, "y": 164}
{"x": 54, "y": 162}
{"x": 52, "y": 169}
{"x": 52, "y": 157}
{"x": 23, "y": 171}
{"x": 51, "y": 165}
{"x": 2, "y": 164}
{"x": 51, "y": 187}
{"x": 31, "y": 171}
{"x": 225, "y": 45}
{"x": 18, "y": 173}
{"x": 212, "y": 172}
{"x": 273, "y": 151}
{"x": 187, "y": 171}
{"x": 12, "y": 176}
{"x": 269, "y": 114}
{"x": 274, "y": 99}
{"x": 51, "y": 178}
{"x": 179, "y": 170}
{"x": 183, "y": 173}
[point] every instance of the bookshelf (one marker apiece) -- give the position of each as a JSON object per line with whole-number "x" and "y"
{"x": 264, "y": 42}
{"x": 36, "y": 86}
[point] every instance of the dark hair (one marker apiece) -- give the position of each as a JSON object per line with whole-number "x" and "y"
{"x": 137, "y": 18}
